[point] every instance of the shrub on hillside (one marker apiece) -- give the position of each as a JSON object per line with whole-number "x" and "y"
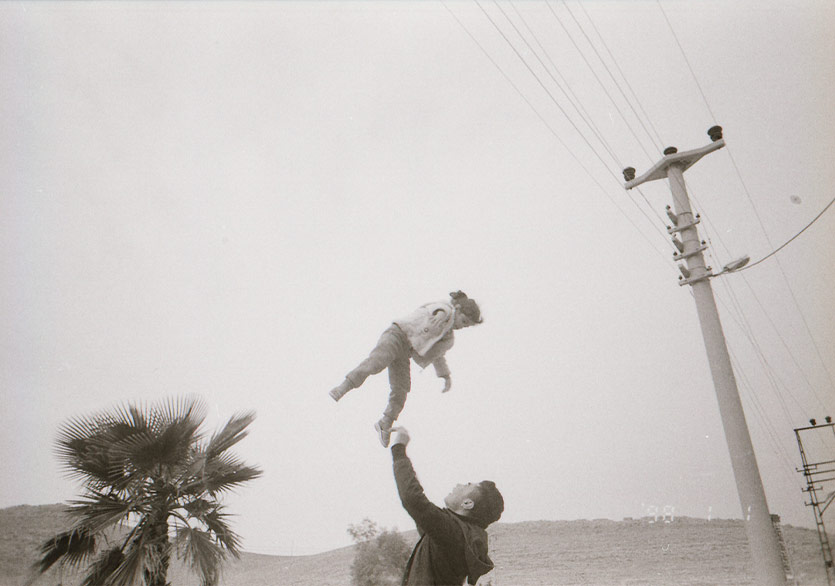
{"x": 381, "y": 555}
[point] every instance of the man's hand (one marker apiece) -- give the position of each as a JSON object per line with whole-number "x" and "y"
{"x": 399, "y": 436}
{"x": 447, "y": 383}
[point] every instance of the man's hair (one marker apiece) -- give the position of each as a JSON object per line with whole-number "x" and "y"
{"x": 489, "y": 506}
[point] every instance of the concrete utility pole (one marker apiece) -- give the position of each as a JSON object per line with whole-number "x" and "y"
{"x": 762, "y": 538}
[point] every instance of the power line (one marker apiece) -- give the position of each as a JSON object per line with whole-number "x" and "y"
{"x": 573, "y": 99}
{"x": 606, "y": 67}
{"x": 659, "y": 142}
{"x": 787, "y": 242}
{"x": 552, "y": 131}
{"x": 542, "y": 85}
{"x": 588, "y": 122}
{"x": 754, "y": 208}
{"x": 709, "y": 227}
{"x": 597, "y": 77}
{"x": 686, "y": 60}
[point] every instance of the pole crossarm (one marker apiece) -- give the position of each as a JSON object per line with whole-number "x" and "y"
{"x": 686, "y": 159}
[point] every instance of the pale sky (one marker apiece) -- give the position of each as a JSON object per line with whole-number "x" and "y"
{"x": 235, "y": 199}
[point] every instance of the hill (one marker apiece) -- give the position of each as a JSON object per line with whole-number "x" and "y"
{"x": 687, "y": 552}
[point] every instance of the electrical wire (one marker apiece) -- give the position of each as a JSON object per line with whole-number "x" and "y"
{"x": 611, "y": 76}
{"x": 787, "y": 242}
{"x": 542, "y": 85}
{"x": 597, "y": 77}
{"x": 572, "y": 98}
{"x": 590, "y": 124}
{"x": 552, "y": 131}
{"x": 686, "y": 60}
{"x": 586, "y": 118}
{"x": 659, "y": 144}
{"x": 751, "y": 201}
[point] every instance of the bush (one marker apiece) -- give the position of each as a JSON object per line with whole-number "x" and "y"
{"x": 381, "y": 555}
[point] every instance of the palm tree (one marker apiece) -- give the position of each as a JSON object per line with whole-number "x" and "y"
{"x": 155, "y": 475}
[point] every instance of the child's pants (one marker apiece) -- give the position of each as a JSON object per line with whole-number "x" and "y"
{"x": 393, "y": 351}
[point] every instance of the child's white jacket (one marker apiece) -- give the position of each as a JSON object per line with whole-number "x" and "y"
{"x": 427, "y": 325}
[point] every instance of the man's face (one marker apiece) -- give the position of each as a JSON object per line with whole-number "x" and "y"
{"x": 459, "y": 495}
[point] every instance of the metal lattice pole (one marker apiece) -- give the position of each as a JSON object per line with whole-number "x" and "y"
{"x": 817, "y": 474}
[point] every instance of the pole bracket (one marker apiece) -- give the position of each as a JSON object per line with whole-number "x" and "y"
{"x": 680, "y": 256}
{"x": 691, "y": 280}
{"x": 674, "y": 229}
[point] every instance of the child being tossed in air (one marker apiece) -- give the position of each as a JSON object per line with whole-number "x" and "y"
{"x": 424, "y": 336}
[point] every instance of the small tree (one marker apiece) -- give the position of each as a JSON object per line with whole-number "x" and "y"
{"x": 381, "y": 555}
{"x": 153, "y": 472}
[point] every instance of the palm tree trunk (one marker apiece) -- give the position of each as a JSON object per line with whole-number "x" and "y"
{"x": 157, "y": 572}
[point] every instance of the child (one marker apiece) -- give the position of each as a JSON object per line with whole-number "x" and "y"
{"x": 423, "y": 336}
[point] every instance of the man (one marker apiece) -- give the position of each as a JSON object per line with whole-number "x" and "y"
{"x": 453, "y": 540}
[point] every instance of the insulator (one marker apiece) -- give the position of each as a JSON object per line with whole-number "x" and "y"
{"x": 715, "y": 133}
{"x": 813, "y": 422}
{"x": 629, "y": 173}
{"x": 672, "y": 216}
{"x": 670, "y": 150}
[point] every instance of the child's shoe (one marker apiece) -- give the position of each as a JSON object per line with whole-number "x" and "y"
{"x": 339, "y": 390}
{"x": 383, "y": 428}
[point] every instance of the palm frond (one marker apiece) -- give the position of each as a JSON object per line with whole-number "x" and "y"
{"x": 200, "y": 551}
{"x": 85, "y": 445}
{"x": 131, "y": 565}
{"x": 226, "y": 472}
{"x": 170, "y": 435}
{"x": 74, "y": 546}
{"x": 102, "y": 568}
{"x": 233, "y": 432}
{"x": 129, "y": 417}
{"x": 99, "y": 511}
{"x": 188, "y": 408}
{"x": 143, "y": 451}
{"x": 197, "y": 508}
{"x": 215, "y": 522}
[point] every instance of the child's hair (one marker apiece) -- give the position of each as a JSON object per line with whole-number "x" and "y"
{"x": 467, "y": 306}
{"x": 490, "y": 504}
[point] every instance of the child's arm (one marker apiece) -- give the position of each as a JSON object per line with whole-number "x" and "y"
{"x": 442, "y": 370}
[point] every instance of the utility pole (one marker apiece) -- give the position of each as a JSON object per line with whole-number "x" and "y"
{"x": 762, "y": 539}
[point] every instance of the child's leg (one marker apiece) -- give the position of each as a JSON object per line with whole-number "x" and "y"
{"x": 391, "y": 346}
{"x": 400, "y": 381}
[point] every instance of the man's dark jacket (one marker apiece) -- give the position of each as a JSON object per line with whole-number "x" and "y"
{"x": 451, "y": 548}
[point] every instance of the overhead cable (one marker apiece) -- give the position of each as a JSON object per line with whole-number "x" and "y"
{"x": 554, "y": 133}
{"x": 606, "y": 67}
{"x": 660, "y": 141}
{"x": 787, "y": 242}
{"x": 756, "y": 213}
{"x": 551, "y": 96}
